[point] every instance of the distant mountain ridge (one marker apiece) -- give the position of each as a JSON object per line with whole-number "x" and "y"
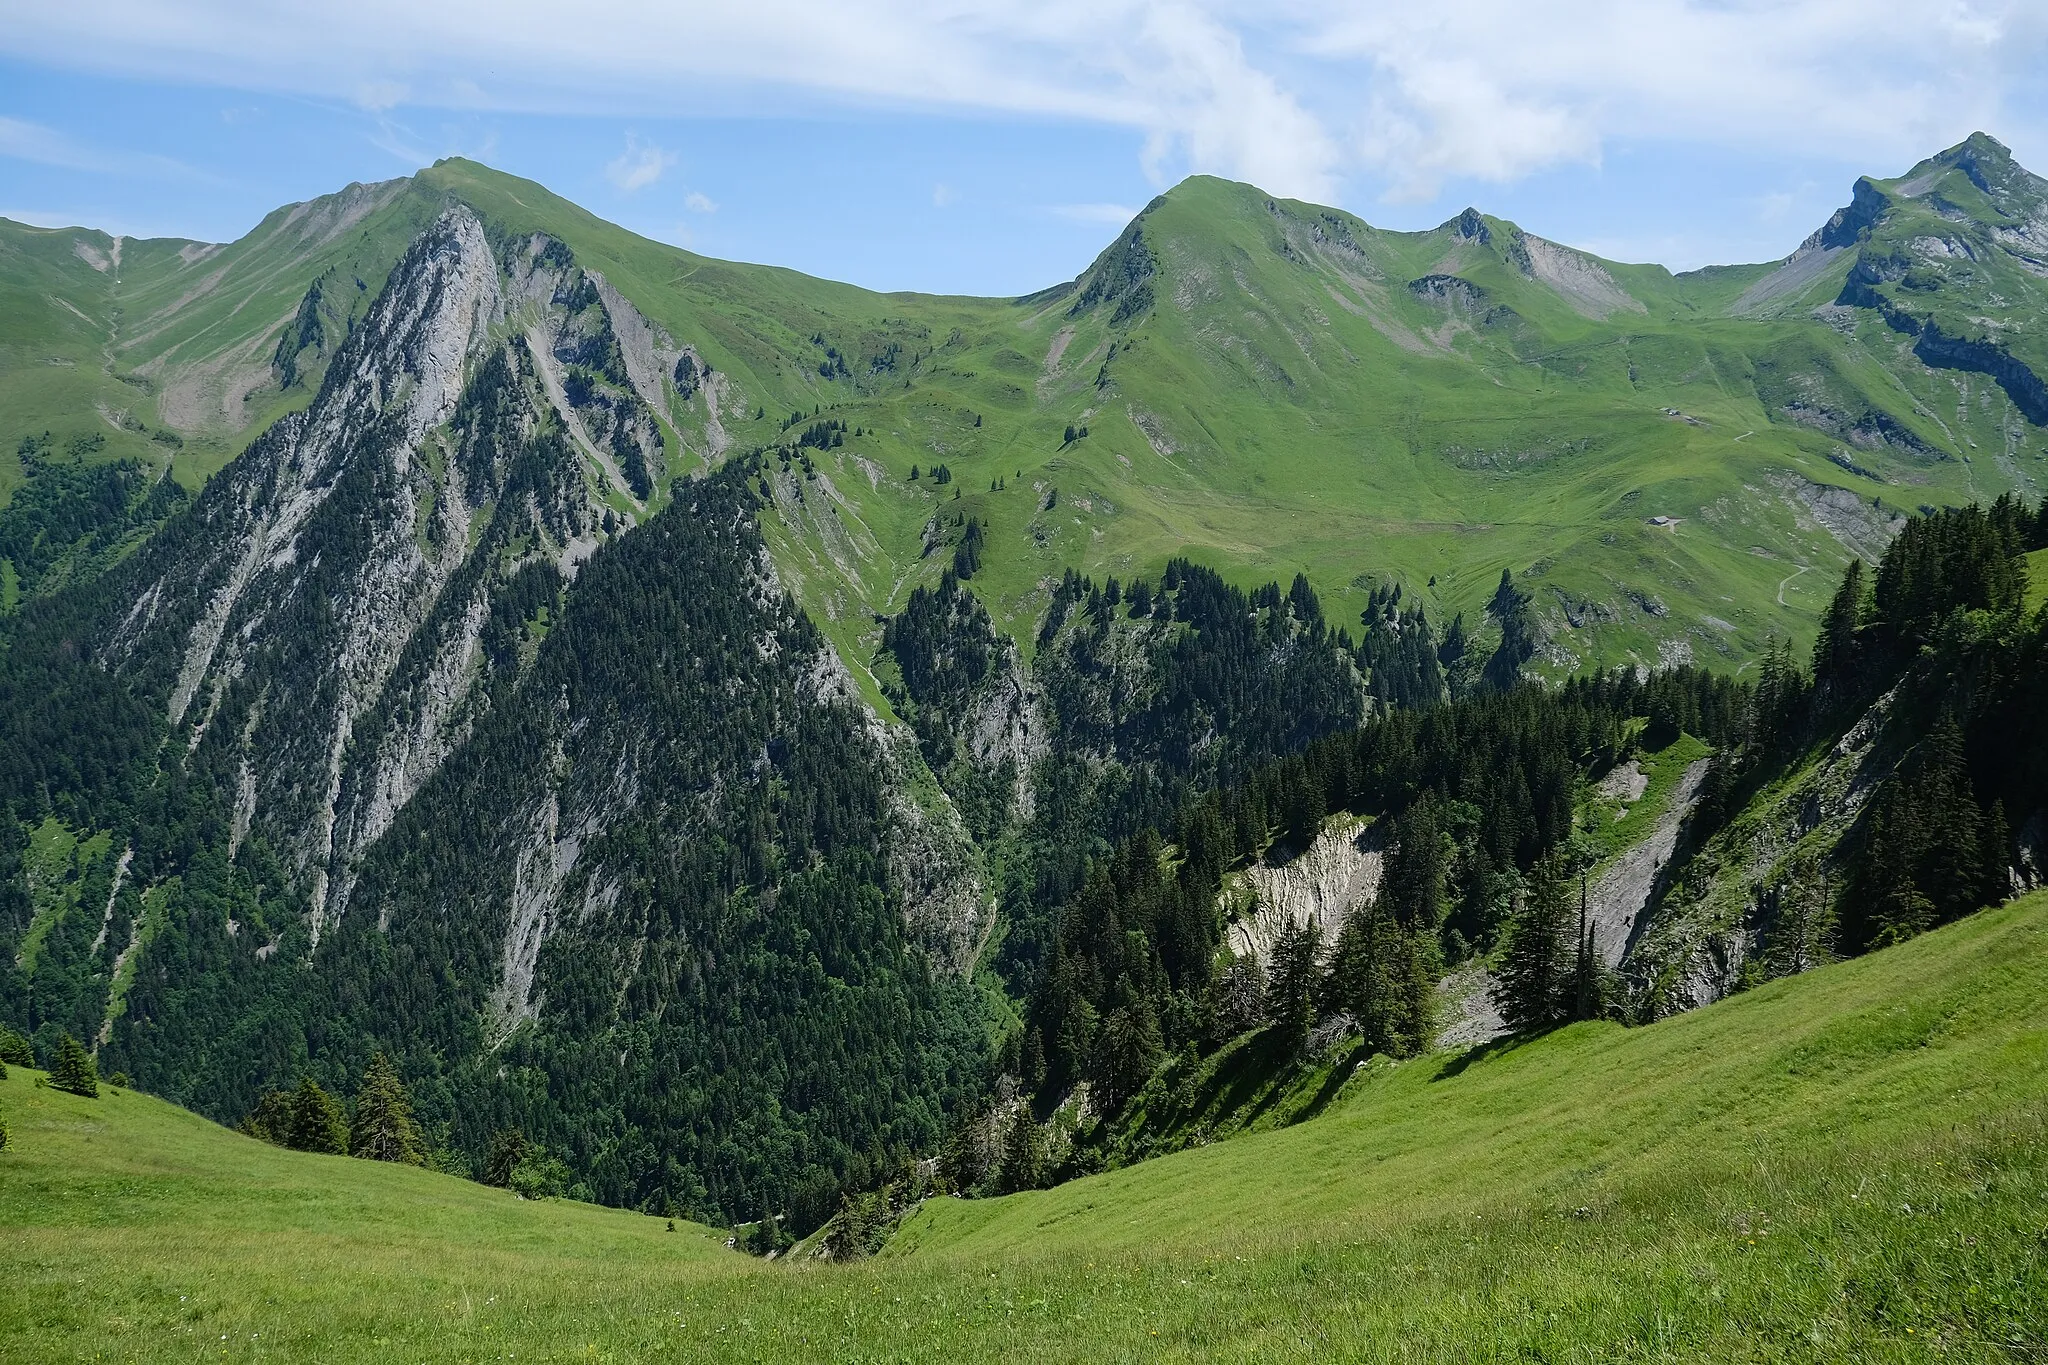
{"x": 1249, "y": 369}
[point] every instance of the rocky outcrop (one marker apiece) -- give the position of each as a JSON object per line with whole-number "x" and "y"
{"x": 1699, "y": 932}
{"x": 1324, "y": 883}
{"x": 1617, "y": 901}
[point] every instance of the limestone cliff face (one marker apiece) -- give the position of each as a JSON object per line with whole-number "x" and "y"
{"x": 327, "y": 607}
{"x": 1326, "y": 883}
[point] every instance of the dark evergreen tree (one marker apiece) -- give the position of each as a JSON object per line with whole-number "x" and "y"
{"x": 1128, "y": 1047}
{"x": 1588, "y": 993}
{"x": 1800, "y": 930}
{"x": 1509, "y": 608}
{"x": 1238, "y": 997}
{"x": 15, "y": 1049}
{"x": 1291, "y": 994}
{"x": 967, "y": 554}
{"x": 1834, "y": 652}
{"x": 383, "y": 1127}
{"x": 1454, "y": 656}
{"x": 1023, "y": 1165}
{"x": 271, "y": 1119}
{"x": 73, "y": 1069}
{"x": 1532, "y": 988}
{"x": 508, "y": 1149}
{"x": 317, "y": 1122}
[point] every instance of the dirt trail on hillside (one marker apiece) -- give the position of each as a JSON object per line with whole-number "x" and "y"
{"x": 1616, "y": 902}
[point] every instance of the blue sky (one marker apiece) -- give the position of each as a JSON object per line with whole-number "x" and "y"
{"x": 979, "y": 146}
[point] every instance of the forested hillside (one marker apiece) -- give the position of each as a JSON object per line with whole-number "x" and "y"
{"x": 1900, "y": 783}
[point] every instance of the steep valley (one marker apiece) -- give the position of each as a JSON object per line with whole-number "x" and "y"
{"x": 772, "y": 745}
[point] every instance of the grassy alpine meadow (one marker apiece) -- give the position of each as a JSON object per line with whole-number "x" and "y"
{"x": 1847, "y": 1165}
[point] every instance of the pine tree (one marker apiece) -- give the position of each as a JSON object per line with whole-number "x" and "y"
{"x": 1952, "y": 826}
{"x": 1995, "y": 846}
{"x": 1023, "y": 1154}
{"x": 1801, "y": 932}
{"x": 14, "y": 1049}
{"x": 1454, "y": 657}
{"x": 1834, "y": 652}
{"x": 1531, "y": 989}
{"x": 383, "y": 1129}
{"x": 1384, "y": 976}
{"x": 1128, "y": 1048}
{"x": 1589, "y": 986}
{"x": 271, "y": 1119}
{"x": 1510, "y": 607}
{"x": 1239, "y": 997}
{"x": 508, "y": 1149}
{"x": 74, "y": 1069}
{"x": 317, "y": 1123}
{"x": 1290, "y": 999}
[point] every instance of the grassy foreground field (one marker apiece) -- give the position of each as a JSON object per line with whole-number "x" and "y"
{"x": 1845, "y": 1166}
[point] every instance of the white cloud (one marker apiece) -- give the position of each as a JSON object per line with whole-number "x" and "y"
{"x": 1116, "y": 215}
{"x": 942, "y": 196}
{"x": 639, "y": 166}
{"x": 25, "y": 141}
{"x": 699, "y": 203}
{"x": 1497, "y": 89}
{"x": 1296, "y": 95}
{"x": 379, "y": 96}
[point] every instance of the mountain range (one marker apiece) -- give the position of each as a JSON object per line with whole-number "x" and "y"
{"x": 675, "y": 708}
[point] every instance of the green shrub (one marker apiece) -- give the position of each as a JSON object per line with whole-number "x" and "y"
{"x": 3, "y": 1132}
{"x": 539, "y": 1176}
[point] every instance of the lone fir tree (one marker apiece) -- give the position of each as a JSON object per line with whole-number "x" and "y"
{"x": 384, "y": 1129}
{"x": 1533, "y": 990}
{"x": 74, "y": 1069}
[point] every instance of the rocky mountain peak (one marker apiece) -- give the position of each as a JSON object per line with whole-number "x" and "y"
{"x": 1470, "y": 225}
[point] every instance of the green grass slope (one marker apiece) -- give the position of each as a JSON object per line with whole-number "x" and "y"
{"x": 163, "y": 348}
{"x": 136, "y": 1230}
{"x": 1847, "y": 1165}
